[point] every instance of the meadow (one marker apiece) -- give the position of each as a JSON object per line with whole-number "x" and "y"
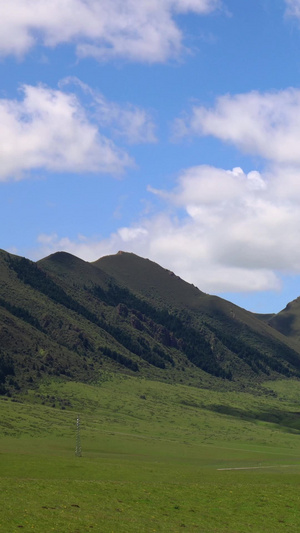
{"x": 155, "y": 457}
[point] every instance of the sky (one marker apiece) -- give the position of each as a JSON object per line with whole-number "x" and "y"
{"x": 167, "y": 128}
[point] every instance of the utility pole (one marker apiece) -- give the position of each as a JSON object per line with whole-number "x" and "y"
{"x": 78, "y": 445}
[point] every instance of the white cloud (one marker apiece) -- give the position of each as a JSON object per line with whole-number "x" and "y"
{"x": 245, "y": 223}
{"x": 265, "y": 124}
{"x": 137, "y": 30}
{"x": 293, "y": 8}
{"x": 87, "y": 249}
{"x": 239, "y": 230}
{"x": 49, "y": 129}
{"x": 132, "y": 234}
{"x": 198, "y": 6}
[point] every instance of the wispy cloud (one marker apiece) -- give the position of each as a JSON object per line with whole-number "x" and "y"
{"x": 129, "y": 122}
{"x": 132, "y": 29}
{"x": 293, "y": 8}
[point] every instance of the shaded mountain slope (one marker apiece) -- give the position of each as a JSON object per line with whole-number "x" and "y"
{"x": 287, "y": 321}
{"x": 237, "y": 339}
{"x": 65, "y": 316}
{"x": 66, "y": 266}
{"x": 165, "y": 289}
{"x": 157, "y": 284}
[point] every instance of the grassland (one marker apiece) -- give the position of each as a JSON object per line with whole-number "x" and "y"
{"x": 167, "y": 445}
{"x": 155, "y": 457}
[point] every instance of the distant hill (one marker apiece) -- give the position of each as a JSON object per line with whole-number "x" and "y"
{"x": 288, "y": 321}
{"x": 63, "y": 316}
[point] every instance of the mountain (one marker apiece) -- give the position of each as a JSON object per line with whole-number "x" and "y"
{"x": 288, "y": 321}
{"x": 63, "y": 316}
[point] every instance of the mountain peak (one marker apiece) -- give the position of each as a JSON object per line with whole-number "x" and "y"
{"x": 149, "y": 279}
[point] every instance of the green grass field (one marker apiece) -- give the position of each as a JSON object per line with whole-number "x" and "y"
{"x": 155, "y": 457}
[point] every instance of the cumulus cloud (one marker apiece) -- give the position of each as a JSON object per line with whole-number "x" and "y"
{"x": 264, "y": 124}
{"x": 134, "y": 29}
{"x": 238, "y": 232}
{"x": 49, "y": 129}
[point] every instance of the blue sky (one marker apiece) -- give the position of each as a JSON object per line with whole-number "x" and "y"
{"x": 169, "y": 128}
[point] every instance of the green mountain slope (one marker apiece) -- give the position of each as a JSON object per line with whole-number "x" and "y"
{"x": 68, "y": 317}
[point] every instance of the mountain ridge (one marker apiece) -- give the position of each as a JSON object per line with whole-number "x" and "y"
{"x": 67, "y": 317}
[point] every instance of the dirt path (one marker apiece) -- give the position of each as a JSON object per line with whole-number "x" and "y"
{"x": 258, "y": 467}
